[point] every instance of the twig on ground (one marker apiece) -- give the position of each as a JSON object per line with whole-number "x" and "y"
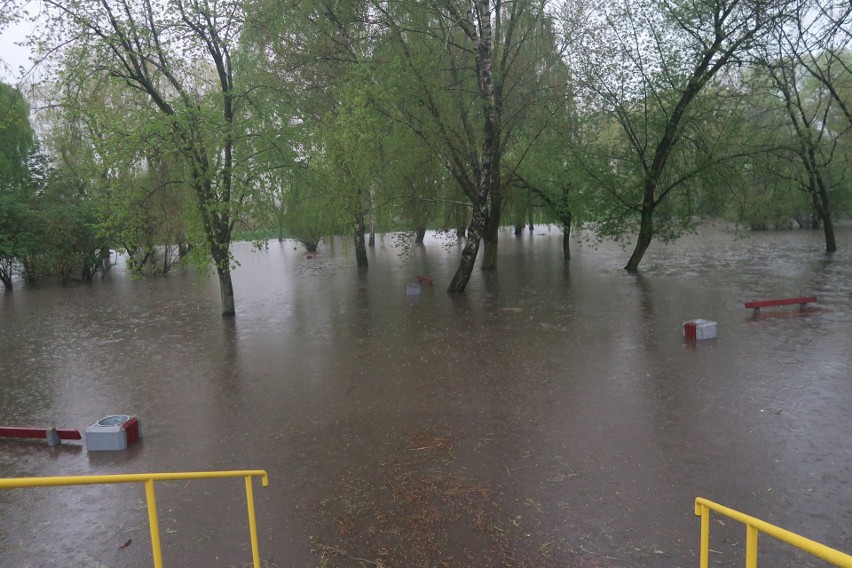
{"x": 599, "y": 555}
{"x": 340, "y": 552}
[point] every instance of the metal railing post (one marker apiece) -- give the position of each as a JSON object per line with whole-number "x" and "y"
{"x": 751, "y": 546}
{"x": 704, "y": 551}
{"x": 153, "y": 523}
{"x": 255, "y": 554}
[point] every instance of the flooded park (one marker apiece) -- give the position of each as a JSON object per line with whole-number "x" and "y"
{"x": 553, "y": 415}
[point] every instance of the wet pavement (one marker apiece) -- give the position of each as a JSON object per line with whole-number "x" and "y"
{"x": 550, "y": 416}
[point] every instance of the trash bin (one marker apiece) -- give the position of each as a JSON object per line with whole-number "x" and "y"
{"x": 412, "y": 289}
{"x": 114, "y": 432}
{"x": 700, "y": 329}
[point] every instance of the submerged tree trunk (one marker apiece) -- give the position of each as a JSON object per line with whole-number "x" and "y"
{"x": 489, "y": 255}
{"x": 828, "y": 229}
{"x": 360, "y": 242}
{"x": 822, "y": 205}
{"x": 219, "y": 251}
{"x": 184, "y": 249}
{"x": 226, "y": 291}
{"x": 567, "y": 217}
{"x": 471, "y": 249}
{"x": 492, "y": 154}
{"x": 217, "y": 229}
{"x": 492, "y": 230}
{"x": 419, "y": 235}
{"x": 6, "y": 273}
{"x": 646, "y": 234}
{"x": 105, "y": 256}
{"x": 373, "y": 216}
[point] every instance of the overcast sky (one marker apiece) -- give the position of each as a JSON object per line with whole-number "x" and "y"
{"x": 13, "y": 56}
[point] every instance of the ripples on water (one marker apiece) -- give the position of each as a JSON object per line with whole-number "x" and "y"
{"x": 577, "y": 376}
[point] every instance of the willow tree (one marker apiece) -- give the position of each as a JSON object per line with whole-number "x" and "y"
{"x": 17, "y": 138}
{"x": 352, "y": 150}
{"x": 809, "y": 67}
{"x": 100, "y": 134}
{"x": 546, "y": 177}
{"x": 318, "y": 56}
{"x": 464, "y": 76}
{"x": 811, "y": 140}
{"x": 646, "y": 63}
{"x": 179, "y": 54}
{"x": 17, "y": 144}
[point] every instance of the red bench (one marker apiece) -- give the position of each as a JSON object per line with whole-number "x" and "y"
{"x": 802, "y": 301}
{"x": 50, "y": 433}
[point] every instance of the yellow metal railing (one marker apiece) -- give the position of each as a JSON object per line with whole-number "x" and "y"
{"x": 148, "y": 479}
{"x": 753, "y": 528}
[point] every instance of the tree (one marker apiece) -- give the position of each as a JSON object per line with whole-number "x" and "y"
{"x": 100, "y": 134}
{"x": 814, "y": 146}
{"x": 444, "y": 71}
{"x": 310, "y": 214}
{"x": 808, "y": 66}
{"x": 350, "y": 135}
{"x": 647, "y": 63}
{"x": 16, "y": 223}
{"x": 464, "y": 76}
{"x": 422, "y": 181}
{"x": 321, "y": 55}
{"x": 547, "y": 176}
{"x": 68, "y": 243}
{"x": 17, "y": 148}
{"x": 17, "y": 139}
{"x": 179, "y": 54}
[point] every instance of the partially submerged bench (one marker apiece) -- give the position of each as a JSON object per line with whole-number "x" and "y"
{"x": 802, "y": 301}
{"x": 53, "y": 435}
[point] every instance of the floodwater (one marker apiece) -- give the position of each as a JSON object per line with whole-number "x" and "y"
{"x": 551, "y": 416}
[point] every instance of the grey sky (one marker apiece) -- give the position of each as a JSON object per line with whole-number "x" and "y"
{"x": 13, "y": 56}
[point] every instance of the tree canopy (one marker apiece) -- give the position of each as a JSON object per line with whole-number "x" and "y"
{"x": 178, "y": 124}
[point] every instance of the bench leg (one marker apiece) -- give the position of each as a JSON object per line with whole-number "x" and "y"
{"x": 53, "y": 437}
{"x": 756, "y": 312}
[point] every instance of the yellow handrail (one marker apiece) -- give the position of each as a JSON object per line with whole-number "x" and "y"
{"x": 148, "y": 479}
{"x": 755, "y": 526}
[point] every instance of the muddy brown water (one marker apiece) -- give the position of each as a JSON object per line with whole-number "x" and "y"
{"x": 550, "y": 416}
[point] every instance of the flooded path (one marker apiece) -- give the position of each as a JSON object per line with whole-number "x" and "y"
{"x": 551, "y": 416}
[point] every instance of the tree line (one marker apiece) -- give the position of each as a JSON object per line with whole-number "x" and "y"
{"x": 167, "y": 128}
